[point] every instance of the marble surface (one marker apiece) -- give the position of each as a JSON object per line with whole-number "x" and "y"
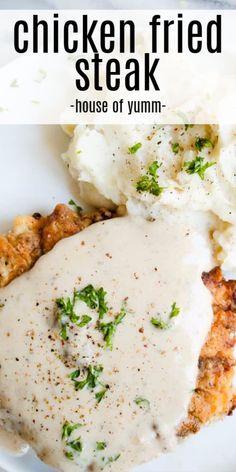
{"x": 103, "y": 4}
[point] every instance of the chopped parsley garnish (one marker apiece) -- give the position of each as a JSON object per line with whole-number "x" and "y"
{"x": 186, "y": 127}
{"x": 85, "y": 319}
{"x": 2, "y": 305}
{"x": 77, "y": 207}
{"x": 149, "y": 182}
{"x": 174, "y": 311}
{"x": 68, "y": 428}
{"x": 133, "y": 149}
{"x": 161, "y": 324}
{"x": 99, "y": 395}
{"x": 74, "y": 444}
{"x": 142, "y": 402}
{"x": 66, "y": 306}
{"x": 88, "y": 295}
{"x": 110, "y": 459}
{"x": 175, "y": 148}
{"x": 67, "y": 314}
{"x": 108, "y": 329}
{"x": 102, "y": 304}
{"x": 91, "y": 381}
{"x": 93, "y": 372}
{"x": 101, "y": 445}
{"x": 63, "y": 333}
{"x": 197, "y": 166}
{"x": 153, "y": 168}
{"x": 74, "y": 375}
{"x": 94, "y": 299}
{"x": 69, "y": 455}
{"x": 201, "y": 143}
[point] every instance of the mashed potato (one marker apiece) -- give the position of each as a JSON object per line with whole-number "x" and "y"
{"x": 109, "y": 161}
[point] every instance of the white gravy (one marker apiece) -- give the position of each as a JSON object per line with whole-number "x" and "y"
{"x": 151, "y": 265}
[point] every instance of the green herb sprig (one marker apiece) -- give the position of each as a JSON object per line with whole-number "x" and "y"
{"x": 73, "y": 446}
{"x": 133, "y": 149}
{"x": 101, "y": 445}
{"x": 91, "y": 381}
{"x": 77, "y": 208}
{"x": 202, "y": 143}
{"x": 175, "y": 311}
{"x": 142, "y": 402}
{"x": 175, "y": 148}
{"x": 187, "y": 126}
{"x": 110, "y": 459}
{"x": 66, "y": 314}
{"x": 149, "y": 182}
{"x": 198, "y": 166}
{"x": 68, "y": 428}
{"x": 161, "y": 324}
{"x": 94, "y": 299}
{"x": 109, "y": 329}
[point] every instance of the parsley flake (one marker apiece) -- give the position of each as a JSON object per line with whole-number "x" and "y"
{"x": 149, "y": 182}
{"x": 76, "y": 207}
{"x": 91, "y": 380}
{"x": 142, "y": 402}
{"x": 66, "y": 314}
{"x": 69, "y": 455}
{"x": 186, "y": 127}
{"x": 201, "y": 143}
{"x": 101, "y": 445}
{"x": 85, "y": 319}
{"x": 74, "y": 444}
{"x": 68, "y": 428}
{"x": 109, "y": 329}
{"x": 110, "y": 459}
{"x": 161, "y": 324}
{"x": 175, "y": 148}
{"x": 133, "y": 149}
{"x": 174, "y": 311}
{"x": 100, "y": 395}
{"x": 94, "y": 299}
{"x": 63, "y": 333}
{"x": 197, "y": 166}
{"x": 74, "y": 375}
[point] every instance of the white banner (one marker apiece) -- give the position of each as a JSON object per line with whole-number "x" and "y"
{"x": 143, "y": 66}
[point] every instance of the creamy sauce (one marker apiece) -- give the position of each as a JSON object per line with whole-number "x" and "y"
{"x": 12, "y": 442}
{"x": 151, "y": 265}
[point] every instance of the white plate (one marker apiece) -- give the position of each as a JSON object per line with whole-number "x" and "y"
{"x": 33, "y": 178}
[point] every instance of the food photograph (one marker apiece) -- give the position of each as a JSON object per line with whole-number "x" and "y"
{"x": 117, "y": 289}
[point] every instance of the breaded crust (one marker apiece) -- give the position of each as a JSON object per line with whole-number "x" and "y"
{"x": 35, "y": 235}
{"x": 214, "y": 396}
